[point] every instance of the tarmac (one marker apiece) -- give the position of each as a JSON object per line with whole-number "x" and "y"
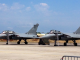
{"x": 33, "y": 51}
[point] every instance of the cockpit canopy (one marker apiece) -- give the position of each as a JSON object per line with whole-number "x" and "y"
{"x": 10, "y": 32}
{"x": 54, "y": 32}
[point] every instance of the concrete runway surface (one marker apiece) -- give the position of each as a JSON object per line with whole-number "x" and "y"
{"x": 33, "y": 51}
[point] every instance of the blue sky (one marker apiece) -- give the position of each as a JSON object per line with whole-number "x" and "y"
{"x": 21, "y": 15}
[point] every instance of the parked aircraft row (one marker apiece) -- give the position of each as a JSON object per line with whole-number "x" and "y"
{"x": 31, "y": 34}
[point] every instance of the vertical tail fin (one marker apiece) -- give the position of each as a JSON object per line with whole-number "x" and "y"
{"x": 33, "y": 30}
{"x": 77, "y": 31}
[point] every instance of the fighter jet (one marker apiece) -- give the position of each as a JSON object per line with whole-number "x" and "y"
{"x": 70, "y": 36}
{"x": 57, "y": 35}
{"x": 51, "y": 35}
{"x": 29, "y": 35}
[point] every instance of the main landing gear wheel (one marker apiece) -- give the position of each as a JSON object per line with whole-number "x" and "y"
{"x": 18, "y": 42}
{"x": 6, "y": 43}
{"x": 75, "y": 44}
{"x": 65, "y": 44}
{"x": 41, "y": 42}
{"x": 55, "y": 45}
{"x": 26, "y": 42}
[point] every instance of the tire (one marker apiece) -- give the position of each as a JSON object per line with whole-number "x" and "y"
{"x": 26, "y": 42}
{"x": 65, "y": 44}
{"x": 18, "y": 42}
{"x": 75, "y": 44}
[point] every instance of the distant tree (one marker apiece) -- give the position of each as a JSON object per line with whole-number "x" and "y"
{"x": 38, "y": 32}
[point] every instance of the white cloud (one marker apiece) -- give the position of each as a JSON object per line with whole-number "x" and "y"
{"x": 43, "y": 4}
{"x": 41, "y": 7}
{"x": 3, "y": 4}
{"x": 3, "y": 7}
{"x": 17, "y": 6}
{"x": 28, "y": 8}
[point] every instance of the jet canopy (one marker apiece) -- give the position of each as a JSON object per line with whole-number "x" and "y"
{"x": 54, "y": 32}
{"x": 10, "y": 32}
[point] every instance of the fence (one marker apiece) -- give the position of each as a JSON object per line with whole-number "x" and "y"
{"x": 70, "y": 58}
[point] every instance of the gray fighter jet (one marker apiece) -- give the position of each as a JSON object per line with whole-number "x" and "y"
{"x": 70, "y": 36}
{"x": 29, "y": 35}
{"x": 57, "y": 35}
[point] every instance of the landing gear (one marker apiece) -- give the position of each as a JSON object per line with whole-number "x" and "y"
{"x": 65, "y": 44}
{"x": 75, "y": 44}
{"x": 7, "y": 34}
{"x": 6, "y": 43}
{"x": 25, "y": 41}
{"x": 41, "y": 42}
{"x": 19, "y": 41}
{"x": 56, "y": 38}
{"x": 55, "y": 43}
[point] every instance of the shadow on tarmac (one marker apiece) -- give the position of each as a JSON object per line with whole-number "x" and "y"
{"x": 36, "y": 44}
